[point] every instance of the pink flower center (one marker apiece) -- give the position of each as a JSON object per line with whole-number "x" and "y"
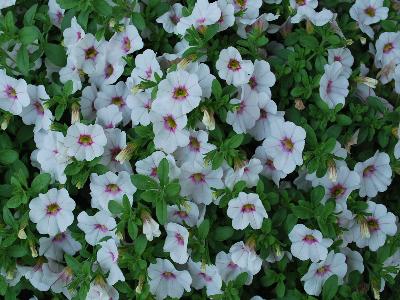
{"x": 180, "y": 93}
{"x": 78, "y": 35}
{"x": 248, "y": 208}
{"x": 85, "y": 140}
{"x": 126, "y": 44}
{"x": 169, "y": 123}
{"x": 321, "y": 271}
{"x": 388, "y": 47}
{"x": 373, "y": 224}
{"x": 309, "y": 239}
{"x": 118, "y": 101}
{"x": 194, "y": 144}
{"x": 337, "y": 190}
{"x": 149, "y": 72}
{"x": 114, "y": 152}
{"x": 153, "y": 172}
{"x": 263, "y": 114}
{"x": 337, "y": 58}
{"x": 174, "y": 19}
{"x": 59, "y": 237}
{"x": 241, "y": 108}
{"x": 147, "y": 105}
{"x": 370, "y": 11}
{"x": 39, "y": 108}
{"x": 181, "y": 214}
{"x": 168, "y": 275}
{"x": 205, "y": 277}
{"x": 11, "y": 92}
{"x": 101, "y": 227}
{"x": 287, "y": 144}
{"x": 368, "y": 171}
{"x": 179, "y": 239}
{"x": 234, "y": 65}
{"x": 329, "y": 87}
{"x": 198, "y": 178}
{"x": 270, "y": 164}
{"x": 112, "y": 188}
{"x": 301, "y": 2}
{"x": 108, "y": 71}
{"x": 91, "y": 53}
{"x": 232, "y": 265}
{"x": 241, "y": 3}
{"x": 252, "y": 82}
{"x": 52, "y": 209}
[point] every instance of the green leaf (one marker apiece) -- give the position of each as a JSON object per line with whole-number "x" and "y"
{"x": 40, "y": 183}
{"x": 73, "y": 263}
{"x": 234, "y": 141}
{"x": 140, "y": 244}
{"x": 203, "y": 229}
{"x": 3, "y": 285}
{"x": 172, "y": 189}
{"x": 329, "y": 145}
{"x": 216, "y": 89}
{"x": 150, "y": 195}
{"x": 73, "y": 168}
{"x": 241, "y": 279}
{"x": 138, "y": 21}
{"x": 223, "y": 233}
{"x": 17, "y": 251}
{"x": 280, "y": 289}
{"x": 161, "y": 211}
{"x": 317, "y": 194}
{"x": 330, "y": 288}
{"x": 56, "y": 54}
{"x": 30, "y": 15}
{"x": 115, "y": 207}
{"x": 143, "y": 182}
{"x": 22, "y": 60}
{"x": 309, "y": 41}
{"x": 102, "y": 7}
{"x": 8, "y": 156}
{"x": 162, "y": 171}
{"x": 217, "y": 160}
{"x": 132, "y": 229}
{"x": 28, "y": 34}
{"x": 302, "y": 212}
{"x": 8, "y": 218}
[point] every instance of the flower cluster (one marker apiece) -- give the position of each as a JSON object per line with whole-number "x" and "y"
{"x": 158, "y": 149}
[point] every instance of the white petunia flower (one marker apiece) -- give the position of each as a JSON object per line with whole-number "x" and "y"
{"x": 232, "y": 68}
{"x": 140, "y": 105}
{"x": 85, "y": 142}
{"x": 60, "y": 285}
{"x": 146, "y": 65}
{"x": 89, "y": 95}
{"x": 52, "y": 212}
{"x": 333, "y": 85}
{"x": 72, "y": 71}
{"x": 197, "y": 180}
{"x": 171, "y": 18}
{"x": 176, "y": 242}
{"x": 187, "y": 213}
{"x": 149, "y": 165}
{"x": 249, "y": 10}
{"x": 7, "y": 3}
{"x": 387, "y": 49}
{"x": 368, "y": 12}
{"x": 227, "y": 268}
{"x": 179, "y": 91}
{"x": 97, "y": 227}
{"x": 308, "y": 243}
{"x": 354, "y": 260}
{"x": 373, "y": 230}
{"x": 196, "y": 149}
{"x": 54, "y": 247}
{"x": 126, "y": 42}
{"x": 205, "y": 276}
{"x": 285, "y": 145}
{"x": 203, "y": 14}
{"x": 150, "y": 226}
{"x": 56, "y": 13}
{"x": 110, "y": 186}
{"x": 319, "y": 272}
{"x": 344, "y": 56}
{"x": 107, "y": 257}
{"x": 165, "y": 280}
{"x": 227, "y": 18}
{"x": 204, "y": 76}
{"x": 375, "y": 174}
{"x": 13, "y": 94}
{"x": 246, "y": 257}
{"x": 73, "y": 34}
{"x": 305, "y": 10}
{"x": 89, "y": 54}
{"x": 110, "y": 70}
{"x": 249, "y": 173}
{"x": 100, "y": 290}
{"x": 40, "y": 276}
{"x": 267, "y": 163}
{"x": 109, "y": 116}
{"x": 262, "y": 78}
{"x": 116, "y": 141}
{"x": 245, "y": 210}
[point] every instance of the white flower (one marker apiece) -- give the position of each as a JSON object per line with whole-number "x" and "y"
{"x": 354, "y": 260}
{"x": 285, "y": 145}
{"x": 35, "y": 113}
{"x": 56, "y": 13}
{"x": 227, "y": 18}
{"x": 269, "y": 114}
{"x": 318, "y": 273}
{"x": 73, "y": 34}
{"x": 232, "y": 68}
{"x": 72, "y": 71}
{"x": 245, "y": 210}
{"x": 203, "y": 14}
{"x": 262, "y": 78}
{"x": 7, "y": 3}
{"x": 179, "y": 91}
{"x": 126, "y": 42}
{"x": 247, "y": 110}
{"x": 40, "y": 276}
{"x": 89, "y": 95}
{"x": 197, "y": 179}
{"x": 146, "y": 65}
{"x": 89, "y": 53}
{"x": 205, "y": 276}
{"x": 227, "y": 268}
{"x": 339, "y": 189}
{"x": 176, "y": 242}
{"x": 333, "y": 86}
{"x": 110, "y": 186}
{"x": 52, "y": 212}
{"x": 249, "y": 173}
{"x": 196, "y": 149}
{"x": 110, "y": 69}
{"x": 140, "y": 105}
{"x": 306, "y": 11}
{"x": 387, "y": 49}
{"x": 13, "y": 94}
{"x": 397, "y": 79}
{"x": 308, "y": 243}
{"x": 204, "y": 76}
{"x": 149, "y": 165}
{"x": 375, "y": 174}
{"x": 168, "y": 128}
{"x": 150, "y": 227}
{"x": 97, "y": 227}
{"x": 187, "y": 213}
{"x": 107, "y": 257}
{"x": 99, "y": 290}
{"x": 109, "y": 116}
{"x": 344, "y": 56}
{"x": 85, "y": 142}
{"x": 396, "y": 150}
{"x": 165, "y": 280}
{"x": 369, "y": 12}
{"x": 114, "y": 94}
{"x": 379, "y": 224}
{"x": 249, "y": 9}
{"x": 116, "y": 141}
{"x": 60, "y": 285}
{"x": 269, "y": 169}
{"x": 54, "y": 247}
{"x": 171, "y": 18}
{"x": 245, "y": 257}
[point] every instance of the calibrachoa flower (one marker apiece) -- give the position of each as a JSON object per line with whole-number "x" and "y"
{"x": 89, "y": 53}
{"x": 126, "y": 41}
{"x": 262, "y": 78}
{"x": 226, "y": 267}
{"x": 150, "y": 227}
{"x": 205, "y": 276}
{"x": 318, "y": 273}
{"x": 54, "y": 247}
{"x": 165, "y": 280}
{"x": 333, "y": 86}
{"x": 267, "y": 163}
{"x": 387, "y": 49}
{"x": 97, "y": 227}
{"x": 140, "y": 106}
{"x": 245, "y": 210}
{"x": 187, "y": 213}
{"x": 13, "y": 94}
{"x": 373, "y": 229}
{"x": 233, "y": 68}
{"x": 107, "y": 257}
{"x": 375, "y": 174}
{"x": 285, "y": 145}
{"x": 176, "y": 242}
{"x": 246, "y": 257}
{"x": 171, "y": 18}
{"x": 249, "y": 172}
{"x": 146, "y": 65}
{"x": 196, "y": 149}
{"x": 308, "y": 243}
{"x": 52, "y": 212}
{"x": 342, "y": 55}
{"x": 85, "y": 142}
{"x": 116, "y": 141}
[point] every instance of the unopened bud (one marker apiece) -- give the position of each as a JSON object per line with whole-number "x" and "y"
{"x": 22, "y": 234}
{"x": 368, "y": 81}
{"x": 364, "y": 230}
{"x": 349, "y": 42}
{"x": 395, "y": 132}
{"x": 139, "y": 287}
{"x": 5, "y": 122}
{"x": 208, "y": 119}
{"x": 353, "y": 141}
{"x": 33, "y": 249}
{"x": 363, "y": 40}
{"x": 332, "y": 171}
{"x": 309, "y": 27}
{"x": 126, "y": 153}
{"x": 278, "y": 251}
{"x": 75, "y": 116}
{"x": 119, "y": 235}
{"x": 298, "y": 104}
